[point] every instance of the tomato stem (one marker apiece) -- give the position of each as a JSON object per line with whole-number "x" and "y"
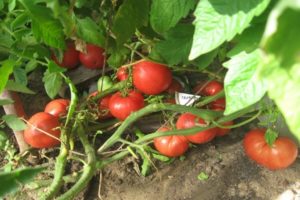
{"x": 270, "y": 137}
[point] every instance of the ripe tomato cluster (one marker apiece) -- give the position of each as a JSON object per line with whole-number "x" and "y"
{"x": 43, "y": 127}
{"x": 93, "y": 58}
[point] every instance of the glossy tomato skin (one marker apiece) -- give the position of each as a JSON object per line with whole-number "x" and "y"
{"x": 151, "y": 78}
{"x": 103, "y": 107}
{"x": 94, "y": 57}
{"x": 218, "y": 105}
{"x": 45, "y": 122}
{"x": 175, "y": 86}
{"x": 281, "y": 155}
{"x": 224, "y": 131}
{"x": 171, "y": 146}
{"x": 121, "y": 107}
{"x": 188, "y": 120}
{"x": 70, "y": 57}
{"x": 122, "y": 73}
{"x": 57, "y": 107}
{"x": 212, "y": 88}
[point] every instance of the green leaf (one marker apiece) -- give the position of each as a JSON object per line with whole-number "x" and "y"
{"x": 118, "y": 54}
{"x": 5, "y": 102}
{"x": 160, "y": 157}
{"x": 90, "y": 32}
{"x": 52, "y": 83}
{"x": 20, "y": 21}
{"x": 11, "y": 181}
{"x": 31, "y": 65}
{"x": 3, "y": 140}
{"x": 17, "y": 87}
{"x": 53, "y": 67}
{"x": 12, "y": 5}
{"x": 80, "y": 3}
{"x": 132, "y": 14}
{"x": 282, "y": 32}
{"x": 218, "y": 21}
{"x": 14, "y": 122}
{"x": 205, "y": 60}
{"x": 283, "y": 87}
{"x": 242, "y": 85}
{"x": 202, "y": 176}
{"x": 270, "y": 137}
{"x": 6, "y": 70}
{"x": 165, "y": 14}
{"x": 20, "y": 75}
{"x": 176, "y": 47}
{"x": 44, "y": 26}
{"x": 249, "y": 40}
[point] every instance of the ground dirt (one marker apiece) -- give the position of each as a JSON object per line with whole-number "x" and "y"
{"x": 231, "y": 175}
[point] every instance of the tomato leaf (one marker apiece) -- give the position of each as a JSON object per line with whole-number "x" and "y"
{"x": 176, "y": 47}
{"x": 3, "y": 140}
{"x": 165, "y": 14}
{"x": 249, "y": 40}
{"x": 281, "y": 67}
{"x": 14, "y": 122}
{"x": 44, "y": 26}
{"x": 20, "y": 75}
{"x": 242, "y": 85}
{"x": 52, "y": 83}
{"x": 118, "y": 54}
{"x": 11, "y": 181}
{"x": 132, "y": 14}
{"x": 220, "y": 20}
{"x": 270, "y": 137}
{"x": 18, "y": 87}
{"x": 5, "y": 70}
{"x": 5, "y": 102}
{"x": 202, "y": 176}
{"x": 90, "y": 32}
{"x": 53, "y": 67}
{"x": 282, "y": 32}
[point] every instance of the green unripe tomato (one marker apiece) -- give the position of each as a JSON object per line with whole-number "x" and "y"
{"x": 104, "y": 83}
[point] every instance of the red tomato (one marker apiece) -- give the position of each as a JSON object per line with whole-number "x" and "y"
{"x": 174, "y": 87}
{"x": 150, "y": 77}
{"x": 171, "y": 146}
{"x": 121, "y": 107}
{"x": 212, "y": 88}
{"x": 57, "y": 107}
{"x": 218, "y": 104}
{"x": 224, "y": 131}
{"x": 103, "y": 107}
{"x": 188, "y": 120}
{"x": 122, "y": 73}
{"x": 94, "y": 57}
{"x": 281, "y": 155}
{"x": 45, "y": 122}
{"x": 70, "y": 57}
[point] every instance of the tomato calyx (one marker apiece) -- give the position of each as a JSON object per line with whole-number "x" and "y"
{"x": 270, "y": 137}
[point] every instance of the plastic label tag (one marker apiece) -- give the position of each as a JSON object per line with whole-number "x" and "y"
{"x": 185, "y": 99}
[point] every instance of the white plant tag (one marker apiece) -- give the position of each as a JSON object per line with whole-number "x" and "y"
{"x": 185, "y": 99}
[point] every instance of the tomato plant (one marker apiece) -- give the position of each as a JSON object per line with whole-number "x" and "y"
{"x": 38, "y": 124}
{"x": 70, "y": 57}
{"x": 175, "y": 86}
{"x": 172, "y": 146}
{"x": 188, "y": 120}
{"x": 104, "y": 83}
{"x": 57, "y": 107}
{"x": 121, "y": 106}
{"x": 93, "y": 58}
{"x": 279, "y": 155}
{"x": 224, "y": 131}
{"x": 150, "y": 77}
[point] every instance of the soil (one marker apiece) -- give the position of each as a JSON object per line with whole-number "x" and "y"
{"x": 231, "y": 175}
